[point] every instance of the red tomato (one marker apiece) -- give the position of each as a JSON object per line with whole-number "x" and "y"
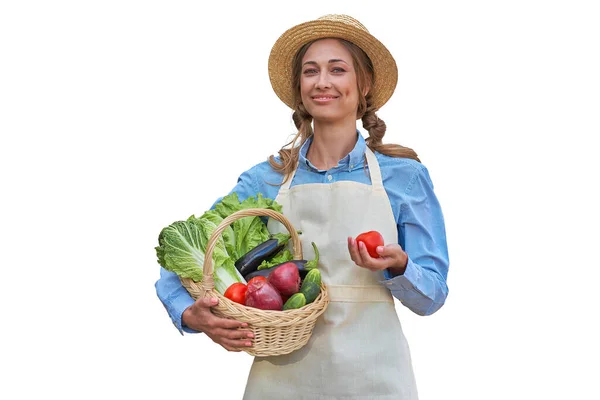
{"x": 372, "y": 240}
{"x": 257, "y": 278}
{"x": 237, "y": 292}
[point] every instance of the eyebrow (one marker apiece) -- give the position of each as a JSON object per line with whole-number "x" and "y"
{"x": 333, "y": 60}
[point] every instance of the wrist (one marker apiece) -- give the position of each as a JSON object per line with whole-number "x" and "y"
{"x": 396, "y": 270}
{"x": 185, "y": 316}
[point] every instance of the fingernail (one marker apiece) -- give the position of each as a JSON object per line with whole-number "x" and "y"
{"x": 214, "y": 300}
{"x": 250, "y": 335}
{"x": 244, "y": 324}
{"x": 380, "y": 249}
{"x": 248, "y": 343}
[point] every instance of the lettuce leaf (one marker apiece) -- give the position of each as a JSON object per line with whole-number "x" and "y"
{"x": 227, "y": 234}
{"x": 279, "y": 258}
{"x": 182, "y": 244}
{"x": 248, "y": 232}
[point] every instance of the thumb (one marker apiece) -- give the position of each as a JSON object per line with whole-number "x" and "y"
{"x": 388, "y": 250}
{"x": 208, "y": 301}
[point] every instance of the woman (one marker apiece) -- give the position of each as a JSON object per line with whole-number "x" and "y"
{"x": 336, "y": 185}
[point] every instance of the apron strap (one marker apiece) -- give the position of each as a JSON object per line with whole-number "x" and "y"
{"x": 286, "y": 185}
{"x": 375, "y": 171}
{"x": 359, "y": 294}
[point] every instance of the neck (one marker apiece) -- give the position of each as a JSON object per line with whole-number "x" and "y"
{"x": 331, "y": 143}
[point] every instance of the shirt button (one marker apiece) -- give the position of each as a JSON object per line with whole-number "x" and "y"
{"x": 329, "y": 178}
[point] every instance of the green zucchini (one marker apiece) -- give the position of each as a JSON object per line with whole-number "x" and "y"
{"x": 297, "y": 300}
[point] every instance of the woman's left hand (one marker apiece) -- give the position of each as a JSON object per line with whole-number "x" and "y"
{"x": 391, "y": 257}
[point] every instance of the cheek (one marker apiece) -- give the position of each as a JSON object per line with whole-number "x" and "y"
{"x": 351, "y": 89}
{"x": 304, "y": 87}
{"x": 351, "y": 94}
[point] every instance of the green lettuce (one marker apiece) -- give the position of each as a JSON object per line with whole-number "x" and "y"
{"x": 227, "y": 234}
{"x": 182, "y": 244}
{"x": 279, "y": 258}
{"x": 248, "y": 232}
{"x": 182, "y": 247}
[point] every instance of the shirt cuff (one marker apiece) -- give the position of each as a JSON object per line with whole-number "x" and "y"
{"x": 177, "y": 305}
{"x": 406, "y": 281}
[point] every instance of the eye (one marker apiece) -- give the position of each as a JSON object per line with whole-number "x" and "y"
{"x": 338, "y": 70}
{"x": 310, "y": 71}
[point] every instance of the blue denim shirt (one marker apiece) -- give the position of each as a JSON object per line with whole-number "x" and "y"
{"x": 421, "y": 231}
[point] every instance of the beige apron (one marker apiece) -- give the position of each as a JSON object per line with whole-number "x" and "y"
{"x": 358, "y": 349}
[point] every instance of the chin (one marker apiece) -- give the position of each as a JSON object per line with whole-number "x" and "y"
{"x": 325, "y": 115}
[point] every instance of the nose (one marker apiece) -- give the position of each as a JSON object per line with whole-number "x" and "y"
{"x": 323, "y": 82}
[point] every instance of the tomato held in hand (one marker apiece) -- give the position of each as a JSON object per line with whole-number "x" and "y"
{"x": 237, "y": 292}
{"x": 372, "y": 240}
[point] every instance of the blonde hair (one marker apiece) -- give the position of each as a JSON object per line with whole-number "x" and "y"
{"x": 289, "y": 153}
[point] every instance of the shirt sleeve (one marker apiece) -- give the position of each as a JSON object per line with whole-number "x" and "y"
{"x": 174, "y": 297}
{"x": 422, "y": 288}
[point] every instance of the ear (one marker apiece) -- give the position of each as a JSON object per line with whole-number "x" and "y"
{"x": 366, "y": 90}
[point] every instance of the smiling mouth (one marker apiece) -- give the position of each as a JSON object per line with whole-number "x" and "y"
{"x": 324, "y": 98}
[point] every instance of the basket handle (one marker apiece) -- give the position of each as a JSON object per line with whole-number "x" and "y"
{"x": 207, "y": 279}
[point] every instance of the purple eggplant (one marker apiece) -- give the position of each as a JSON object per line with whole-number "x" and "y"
{"x": 303, "y": 266}
{"x": 250, "y": 261}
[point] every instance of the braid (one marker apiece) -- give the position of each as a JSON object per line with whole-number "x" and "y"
{"x": 289, "y": 152}
{"x": 366, "y": 111}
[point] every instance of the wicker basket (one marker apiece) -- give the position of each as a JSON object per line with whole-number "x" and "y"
{"x": 275, "y": 332}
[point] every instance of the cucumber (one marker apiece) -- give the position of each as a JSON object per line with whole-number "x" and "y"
{"x": 314, "y": 275}
{"x": 297, "y": 300}
{"x": 310, "y": 290}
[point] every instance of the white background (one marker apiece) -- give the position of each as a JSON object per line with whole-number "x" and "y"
{"x": 119, "y": 117}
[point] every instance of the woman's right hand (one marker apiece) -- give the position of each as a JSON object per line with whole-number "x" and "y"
{"x": 223, "y": 331}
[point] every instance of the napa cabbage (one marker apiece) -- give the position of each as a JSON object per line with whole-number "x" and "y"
{"x": 182, "y": 244}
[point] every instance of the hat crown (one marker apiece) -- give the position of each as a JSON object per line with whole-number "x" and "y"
{"x": 346, "y": 19}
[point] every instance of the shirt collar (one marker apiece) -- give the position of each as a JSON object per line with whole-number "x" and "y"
{"x": 348, "y": 163}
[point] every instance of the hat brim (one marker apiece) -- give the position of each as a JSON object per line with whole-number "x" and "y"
{"x": 285, "y": 48}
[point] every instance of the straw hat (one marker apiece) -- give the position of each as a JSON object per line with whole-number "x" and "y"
{"x": 331, "y": 26}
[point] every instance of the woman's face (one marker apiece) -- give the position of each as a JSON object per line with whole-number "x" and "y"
{"x": 328, "y": 84}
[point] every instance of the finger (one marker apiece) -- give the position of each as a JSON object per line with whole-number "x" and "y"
{"x": 239, "y": 344}
{"x": 207, "y": 302}
{"x": 351, "y": 248}
{"x": 230, "y": 344}
{"x": 364, "y": 254}
{"x": 390, "y": 250}
{"x": 354, "y": 253}
{"x": 229, "y": 348}
{"x": 391, "y": 253}
{"x": 372, "y": 264}
{"x": 233, "y": 334}
{"x": 226, "y": 323}
{"x": 235, "y": 343}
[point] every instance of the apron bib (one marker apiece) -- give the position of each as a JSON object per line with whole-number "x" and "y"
{"x": 357, "y": 349}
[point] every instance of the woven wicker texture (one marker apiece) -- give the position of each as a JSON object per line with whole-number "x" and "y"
{"x": 275, "y": 332}
{"x": 331, "y": 26}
